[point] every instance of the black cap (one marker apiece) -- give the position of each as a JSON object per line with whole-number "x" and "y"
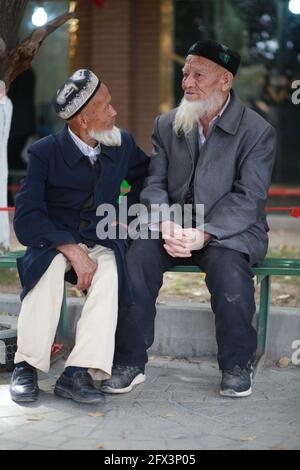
{"x": 218, "y": 53}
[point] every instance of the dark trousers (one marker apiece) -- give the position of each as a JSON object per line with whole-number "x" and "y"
{"x": 229, "y": 280}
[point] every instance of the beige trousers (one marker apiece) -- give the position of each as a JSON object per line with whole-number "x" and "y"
{"x": 95, "y": 333}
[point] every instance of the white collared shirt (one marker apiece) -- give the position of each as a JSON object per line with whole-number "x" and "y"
{"x": 202, "y": 137}
{"x": 86, "y": 149}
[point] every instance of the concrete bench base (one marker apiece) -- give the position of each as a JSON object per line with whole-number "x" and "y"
{"x": 184, "y": 329}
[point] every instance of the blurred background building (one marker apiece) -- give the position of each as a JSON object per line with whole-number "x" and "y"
{"x": 137, "y": 47}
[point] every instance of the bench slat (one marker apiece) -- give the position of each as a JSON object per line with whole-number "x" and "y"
{"x": 274, "y": 269}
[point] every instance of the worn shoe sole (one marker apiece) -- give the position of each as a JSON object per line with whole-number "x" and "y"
{"x": 140, "y": 378}
{"x": 61, "y": 392}
{"x": 230, "y": 392}
{"x": 23, "y": 398}
{"x": 234, "y": 394}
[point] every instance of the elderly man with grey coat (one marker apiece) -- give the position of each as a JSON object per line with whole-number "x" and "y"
{"x": 211, "y": 150}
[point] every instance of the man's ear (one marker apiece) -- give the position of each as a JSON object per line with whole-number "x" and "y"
{"x": 81, "y": 120}
{"x": 227, "y": 80}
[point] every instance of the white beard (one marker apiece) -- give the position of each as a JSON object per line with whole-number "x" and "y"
{"x": 111, "y": 138}
{"x": 190, "y": 112}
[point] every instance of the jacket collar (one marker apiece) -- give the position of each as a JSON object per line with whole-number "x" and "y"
{"x": 231, "y": 118}
{"x": 110, "y": 152}
{"x": 72, "y": 154}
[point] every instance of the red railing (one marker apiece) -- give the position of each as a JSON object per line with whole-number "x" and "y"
{"x": 7, "y": 209}
{"x": 284, "y": 192}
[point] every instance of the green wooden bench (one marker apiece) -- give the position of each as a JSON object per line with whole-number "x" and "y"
{"x": 264, "y": 271}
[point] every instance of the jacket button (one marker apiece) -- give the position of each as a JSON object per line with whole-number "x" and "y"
{"x": 42, "y": 245}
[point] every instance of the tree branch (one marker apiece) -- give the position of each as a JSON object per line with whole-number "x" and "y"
{"x": 11, "y": 14}
{"x": 20, "y": 58}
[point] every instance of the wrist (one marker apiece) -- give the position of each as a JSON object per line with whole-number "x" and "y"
{"x": 207, "y": 237}
{"x": 70, "y": 250}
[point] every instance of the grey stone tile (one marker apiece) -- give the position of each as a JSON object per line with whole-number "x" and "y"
{"x": 179, "y": 407}
{"x": 7, "y": 444}
{"x": 79, "y": 444}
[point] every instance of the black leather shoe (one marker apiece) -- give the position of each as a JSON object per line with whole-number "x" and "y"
{"x": 24, "y": 385}
{"x": 80, "y": 388}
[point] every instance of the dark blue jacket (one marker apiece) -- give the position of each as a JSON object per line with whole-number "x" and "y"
{"x": 50, "y": 204}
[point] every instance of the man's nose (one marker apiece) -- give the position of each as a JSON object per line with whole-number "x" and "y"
{"x": 189, "y": 82}
{"x": 113, "y": 112}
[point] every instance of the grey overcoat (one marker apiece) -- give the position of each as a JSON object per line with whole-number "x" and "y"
{"x": 232, "y": 175}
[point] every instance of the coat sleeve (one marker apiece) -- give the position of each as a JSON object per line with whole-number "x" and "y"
{"x": 32, "y": 224}
{"x": 238, "y": 210}
{"x": 138, "y": 168}
{"x": 155, "y": 191}
{"x": 156, "y": 185}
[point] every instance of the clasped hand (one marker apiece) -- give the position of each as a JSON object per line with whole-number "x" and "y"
{"x": 180, "y": 242}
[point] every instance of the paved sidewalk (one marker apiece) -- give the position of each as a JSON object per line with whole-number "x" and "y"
{"x": 177, "y": 408}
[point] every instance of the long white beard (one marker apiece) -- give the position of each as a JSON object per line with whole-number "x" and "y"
{"x": 111, "y": 138}
{"x": 190, "y": 112}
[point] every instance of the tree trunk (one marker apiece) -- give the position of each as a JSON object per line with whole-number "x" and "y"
{"x": 5, "y": 120}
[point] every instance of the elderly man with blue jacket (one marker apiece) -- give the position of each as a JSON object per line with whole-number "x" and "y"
{"x": 69, "y": 175}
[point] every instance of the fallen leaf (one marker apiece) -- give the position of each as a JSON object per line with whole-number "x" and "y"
{"x": 283, "y": 362}
{"x": 279, "y": 447}
{"x": 152, "y": 358}
{"x": 247, "y": 438}
{"x": 283, "y": 297}
{"x": 99, "y": 446}
{"x": 96, "y": 414}
{"x": 169, "y": 415}
{"x": 298, "y": 434}
{"x": 34, "y": 418}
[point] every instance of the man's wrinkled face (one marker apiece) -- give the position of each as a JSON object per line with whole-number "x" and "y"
{"x": 201, "y": 78}
{"x": 206, "y": 86}
{"x": 98, "y": 114}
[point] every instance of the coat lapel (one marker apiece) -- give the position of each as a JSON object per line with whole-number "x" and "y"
{"x": 192, "y": 142}
{"x": 70, "y": 152}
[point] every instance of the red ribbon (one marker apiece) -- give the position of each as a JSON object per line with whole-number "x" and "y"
{"x": 56, "y": 348}
{"x": 295, "y": 212}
